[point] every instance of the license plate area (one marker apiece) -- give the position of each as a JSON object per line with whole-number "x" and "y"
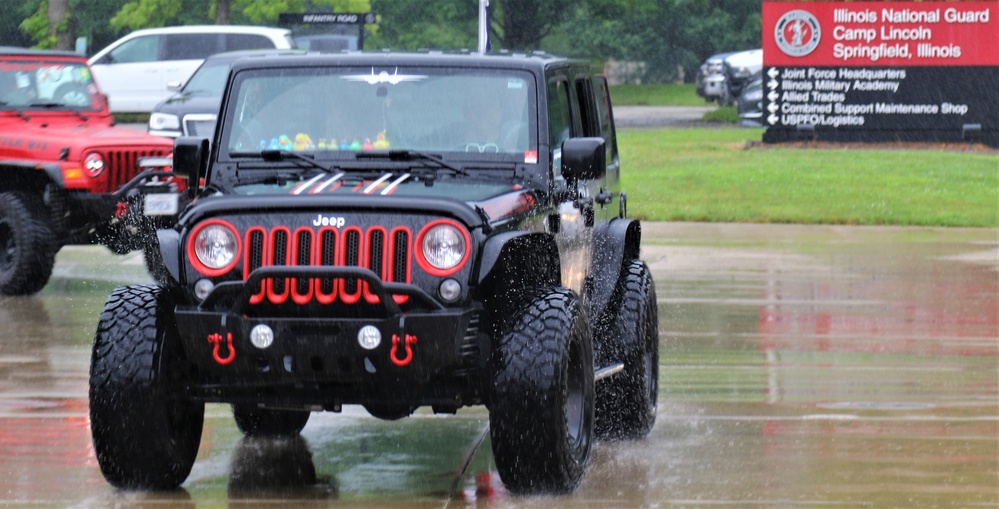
{"x": 161, "y": 204}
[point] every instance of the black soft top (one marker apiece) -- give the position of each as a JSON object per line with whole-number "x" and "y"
{"x": 535, "y": 62}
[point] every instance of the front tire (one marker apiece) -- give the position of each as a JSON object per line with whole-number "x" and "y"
{"x": 146, "y": 433}
{"x": 626, "y": 402}
{"x": 541, "y": 411}
{"x": 27, "y": 244}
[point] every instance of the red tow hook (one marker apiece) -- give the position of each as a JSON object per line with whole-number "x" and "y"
{"x": 216, "y": 339}
{"x": 121, "y": 209}
{"x": 393, "y": 354}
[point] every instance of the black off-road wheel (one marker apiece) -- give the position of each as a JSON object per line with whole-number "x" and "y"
{"x": 626, "y": 402}
{"x": 146, "y": 432}
{"x": 541, "y": 408}
{"x": 264, "y": 422}
{"x": 27, "y": 244}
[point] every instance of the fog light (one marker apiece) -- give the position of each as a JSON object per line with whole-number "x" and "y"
{"x": 261, "y": 336}
{"x": 369, "y": 337}
{"x": 449, "y": 290}
{"x": 202, "y": 288}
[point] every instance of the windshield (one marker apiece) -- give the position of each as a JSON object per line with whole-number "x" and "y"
{"x": 319, "y": 110}
{"x": 47, "y": 84}
{"x": 209, "y": 79}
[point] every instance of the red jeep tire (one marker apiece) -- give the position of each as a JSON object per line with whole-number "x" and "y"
{"x": 27, "y": 251}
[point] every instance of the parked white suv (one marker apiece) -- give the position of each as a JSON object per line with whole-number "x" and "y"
{"x": 134, "y": 71}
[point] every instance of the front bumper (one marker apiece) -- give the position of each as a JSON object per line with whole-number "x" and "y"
{"x": 150, "y": 200}
{"x": 323, "y": 347}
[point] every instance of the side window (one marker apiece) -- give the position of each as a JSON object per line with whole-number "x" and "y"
{"x": 190, "y": 46}
{"x": 140, "y": 49}
{"x": 234, "y": 42}
{"x": 559, "y": 117}
{"x": 584, "y": 96}
{"x": 604, "y": 116}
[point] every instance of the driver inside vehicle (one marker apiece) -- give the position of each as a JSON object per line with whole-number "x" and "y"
{"x": 495, "y": 120}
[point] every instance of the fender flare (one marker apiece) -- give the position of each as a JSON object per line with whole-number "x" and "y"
{"x": 170, "y": 251}
{"x": 616, "y": 243}
{"x": 27, "y": 175}
{"x": 512, "y": 246}
{"x": 514, "y": 263}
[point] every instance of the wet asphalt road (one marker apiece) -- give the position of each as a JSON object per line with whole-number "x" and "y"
{"x": 801, "y": 366}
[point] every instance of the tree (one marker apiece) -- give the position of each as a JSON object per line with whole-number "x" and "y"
{"x": 222, "y": 12}
{"x": 525, "y": 23}
{"x": 267, "y": 11}
{"x": 50, "y": 25}
{"x": 671, "y": 37}
{"x": 60, "y": 23}
{"x": 412, "y": 25}
{"x": 146, "y": 13}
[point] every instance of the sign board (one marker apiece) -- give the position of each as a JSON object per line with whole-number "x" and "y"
{"x": 881, "y": 71}
{"x": 328, "y": 31}
{"x": 324, "y": 18}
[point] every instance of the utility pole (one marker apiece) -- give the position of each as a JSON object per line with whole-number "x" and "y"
{"x": 483, "y": 26}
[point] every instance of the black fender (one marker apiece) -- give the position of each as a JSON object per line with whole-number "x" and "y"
{"x": 512, "y": 265}
{"x": 29, "y": 176}
{"x": 170, "y": 251}
{"x": 615, "y": 243}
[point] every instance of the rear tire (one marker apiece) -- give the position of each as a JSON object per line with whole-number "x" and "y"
{"x": 27, "y": 244}
{"x": 626, "y": 402}
{"x": 146, "y": 433}
{"x": 541, "y": 409}
{"x": 264, "y": 422}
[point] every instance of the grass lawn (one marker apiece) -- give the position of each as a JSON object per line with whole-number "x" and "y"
{"x": 710, "y": 175}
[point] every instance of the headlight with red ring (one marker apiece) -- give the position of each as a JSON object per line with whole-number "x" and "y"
{"x": 442, "y": 247}
{"x": 213, "y": 247}
{"x": 93, "y": 164}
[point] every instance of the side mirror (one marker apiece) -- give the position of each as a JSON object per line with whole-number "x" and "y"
{"x": 584, "y": 158}
{"x": 190, "y": 158}
{"x": 174, "y": 86}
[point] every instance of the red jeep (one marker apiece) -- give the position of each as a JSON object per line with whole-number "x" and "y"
{"x": 69, "y": 176}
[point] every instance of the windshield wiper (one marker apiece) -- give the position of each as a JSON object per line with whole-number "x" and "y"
{"x": 54, "y": 105}
{"x": 284, "y": 155}
{"x": 411, "y": 155}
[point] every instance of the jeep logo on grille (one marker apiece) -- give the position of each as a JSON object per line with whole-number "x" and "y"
{"x": 322, "y": 220}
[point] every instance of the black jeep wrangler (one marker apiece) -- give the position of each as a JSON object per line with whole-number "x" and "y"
{"x": 393, "y": 231}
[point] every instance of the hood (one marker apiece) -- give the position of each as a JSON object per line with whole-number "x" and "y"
{"x": 185, "y": 104}
{"x": 497, "y": 200}
{"x": 75, "y": 130}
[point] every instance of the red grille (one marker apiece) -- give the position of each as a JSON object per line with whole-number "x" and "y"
{"x": 122, "y": 165}
{"x": 384, "y": 252}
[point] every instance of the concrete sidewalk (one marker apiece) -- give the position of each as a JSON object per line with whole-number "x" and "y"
{"x": 659, "y": 116}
